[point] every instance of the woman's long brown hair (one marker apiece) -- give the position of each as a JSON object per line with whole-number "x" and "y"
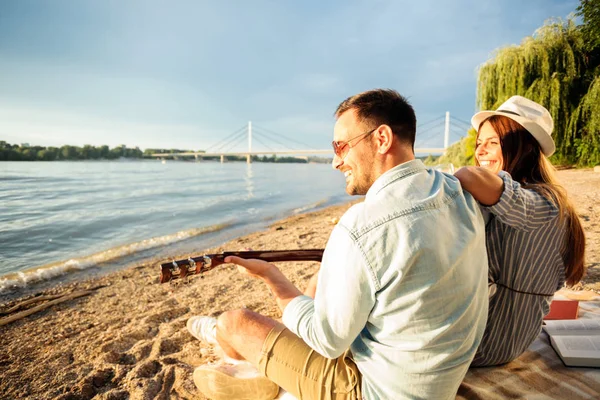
{"x": 525, "y": 162}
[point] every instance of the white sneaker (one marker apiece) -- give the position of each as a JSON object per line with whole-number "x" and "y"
{"x": 283, "y": 395}
{"x": 203, "y": 328}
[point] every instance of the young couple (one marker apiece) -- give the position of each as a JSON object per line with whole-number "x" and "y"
{"x": 399, "y": 307}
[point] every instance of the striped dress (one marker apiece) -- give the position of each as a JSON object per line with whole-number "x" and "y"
{"x": 524, "y": 237}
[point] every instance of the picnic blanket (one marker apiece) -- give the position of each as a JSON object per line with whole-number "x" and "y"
{"x": 539, "y": 373}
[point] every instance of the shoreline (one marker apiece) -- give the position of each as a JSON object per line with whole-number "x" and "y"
{"x": 124, "y": 337}
{"x": 21, "y": 284}
{"x": 56, "y": 285}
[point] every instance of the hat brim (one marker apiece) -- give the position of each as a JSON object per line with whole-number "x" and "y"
{"x": 543, "y": 138}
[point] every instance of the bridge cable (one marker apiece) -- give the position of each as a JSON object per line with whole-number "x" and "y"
{"x": 463, "y": 121}
{"x": 265, "y": 130}
{"x": 225, "y": 139}
{"x": 423, "y": 141}
{"x": 422, "y": 137}
{"x": 435, "y": 132}
{"x": 455, "y": 130}
{"x": 457, "y": 135}
{"x": 461, "y": 127}
{"x": 240, "y": 139}
{"x": 228, "y": 145}
{"x": 460, "y": 122}
{"x": 430, "y": 121}
{"x": 241, "y": 135}
{"x": 263, "y": 143}
{"x": 276, "y": 140}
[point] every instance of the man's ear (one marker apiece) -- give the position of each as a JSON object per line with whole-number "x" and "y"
{"x": 384, "y": 138}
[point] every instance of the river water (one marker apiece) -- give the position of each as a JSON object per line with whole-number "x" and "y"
{"x": 59, "y": 218}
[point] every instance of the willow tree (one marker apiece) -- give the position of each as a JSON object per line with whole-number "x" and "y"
{"x": 552, "y": 68}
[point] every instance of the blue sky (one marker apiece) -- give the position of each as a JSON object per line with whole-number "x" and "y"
{"x": 186, "y": 74}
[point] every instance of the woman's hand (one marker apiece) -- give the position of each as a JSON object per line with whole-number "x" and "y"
{"x": 485, "y": 186}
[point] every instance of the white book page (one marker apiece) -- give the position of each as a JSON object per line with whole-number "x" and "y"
{"x": 578, "y": 350}
{"x": 583, "y": 327}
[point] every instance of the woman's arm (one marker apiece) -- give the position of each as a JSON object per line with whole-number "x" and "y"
{"x": 485, "y": 186}
{"x": 511, "y": 204}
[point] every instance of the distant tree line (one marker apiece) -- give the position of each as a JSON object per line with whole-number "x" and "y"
{"x": 149, "y": 152}
{"x": 14, "y": 152}
{"x": 24, "y": 152}
{"x": 265, "y": 159}
{"x": 280, "y": 159}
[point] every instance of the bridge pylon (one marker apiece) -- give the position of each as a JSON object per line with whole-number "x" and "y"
{"x": 249, "y": 157}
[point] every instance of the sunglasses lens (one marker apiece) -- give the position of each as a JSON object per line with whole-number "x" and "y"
{"x": 336, "y": 148}
{"x": 340, "y": 148}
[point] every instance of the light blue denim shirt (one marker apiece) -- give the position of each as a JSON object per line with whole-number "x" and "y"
{"x": 403, "y": 284}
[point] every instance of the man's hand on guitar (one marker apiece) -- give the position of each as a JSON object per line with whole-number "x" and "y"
{"x": 253, "y": 267}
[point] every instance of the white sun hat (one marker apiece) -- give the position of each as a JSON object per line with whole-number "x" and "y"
{"x": 531, "y": 115}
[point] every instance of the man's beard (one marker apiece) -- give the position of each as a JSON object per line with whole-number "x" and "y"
{"x": 358, "y": 187}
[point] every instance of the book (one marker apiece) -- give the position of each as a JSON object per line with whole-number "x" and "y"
{"x": 577, "y": 342}
{"x": 563, "y": 309}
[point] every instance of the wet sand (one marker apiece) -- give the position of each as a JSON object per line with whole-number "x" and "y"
{"x": 124, "y": 337}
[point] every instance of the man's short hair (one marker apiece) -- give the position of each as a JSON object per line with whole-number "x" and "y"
{"x": 383, "y": 107}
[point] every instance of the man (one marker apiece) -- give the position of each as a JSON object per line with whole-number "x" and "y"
{"x": 400, "y": 301}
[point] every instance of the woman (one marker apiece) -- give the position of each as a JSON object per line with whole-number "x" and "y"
{"x": 535, "y": 241}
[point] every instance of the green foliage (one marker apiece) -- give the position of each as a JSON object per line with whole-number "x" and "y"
{"x": 13, "y": 152}
{"x": 552, "y": 68}
{"x": 459, "y": 154}
{"x": 149, "y": 152}
{"x": 430, "y": 160}
{"x": 470, "y": 140}
{"x": 586, "y": 119}
{"x": 275, "y": 159}
{"x": 589, "y": 11}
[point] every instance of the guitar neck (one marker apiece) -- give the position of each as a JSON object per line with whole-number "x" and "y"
{"x": 197, "y": 265}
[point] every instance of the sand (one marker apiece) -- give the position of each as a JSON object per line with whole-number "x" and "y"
{"x": 124, "y": 336}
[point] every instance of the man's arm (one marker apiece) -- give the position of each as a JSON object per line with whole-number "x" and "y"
{"x": 311, "y": 288}
{"x": 283, "y": 290}
{"x": 331, "y": 321}
{"x": 485, "y": 186}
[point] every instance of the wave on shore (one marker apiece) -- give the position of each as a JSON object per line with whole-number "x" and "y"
{"x": 56, "y": 269}
{"x": 314, "y": 206}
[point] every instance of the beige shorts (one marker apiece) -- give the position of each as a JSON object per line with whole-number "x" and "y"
{"x": 293, "y": 365}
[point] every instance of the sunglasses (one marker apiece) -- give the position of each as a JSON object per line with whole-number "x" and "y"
{"x": 341, "y": 148}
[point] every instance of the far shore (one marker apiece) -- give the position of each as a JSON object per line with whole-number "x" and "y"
{"x": 123, "y": 336}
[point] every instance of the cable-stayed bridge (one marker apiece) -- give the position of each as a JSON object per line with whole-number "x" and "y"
{"x": 433, "y": 137}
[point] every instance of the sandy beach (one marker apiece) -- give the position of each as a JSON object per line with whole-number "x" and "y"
{"x": 123, "y": 336}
